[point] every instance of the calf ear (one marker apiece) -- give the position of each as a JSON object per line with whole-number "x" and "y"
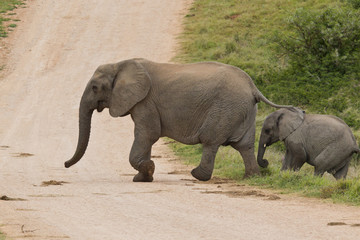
{"x": 131, "y": 85}
{"x": 288, "y": 121}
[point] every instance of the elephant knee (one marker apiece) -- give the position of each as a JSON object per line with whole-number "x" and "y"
{"x": 135, "y": 162}
{"x": 138, "y": 156}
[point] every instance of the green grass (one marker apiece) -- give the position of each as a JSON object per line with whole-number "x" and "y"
{"x": 241, "y": 33}
{"x": 5, "y": 7}
{"x": 237, "y": 33}
{"x": 2, "y": 236}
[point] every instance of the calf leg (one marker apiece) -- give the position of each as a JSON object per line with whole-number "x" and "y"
{"x": 331, "y": 160}
{"x": 342, "y": 172}
{"x": 295, "y": 157}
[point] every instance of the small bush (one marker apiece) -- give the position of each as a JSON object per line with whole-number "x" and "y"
{"x": 354, "y": 3}
{"x": 321, "y": 52}
{"x": 322, "y": 41}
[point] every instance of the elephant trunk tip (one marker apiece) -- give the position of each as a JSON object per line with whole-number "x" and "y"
{"x": 263, "y": 163}
{"x": 68, "y": 164}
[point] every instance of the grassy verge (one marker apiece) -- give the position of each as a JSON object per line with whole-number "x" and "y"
{"x": 2, "y": 236}
{"x": 5, "y": 15}
{"x": 238, "y": 33}
{"x": 241, "y": 34}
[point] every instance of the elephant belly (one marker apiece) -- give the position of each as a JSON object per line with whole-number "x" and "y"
{"x": 182, "y": 138}
{"x": 190, "y": 132}
{"x": 211, "y": 131}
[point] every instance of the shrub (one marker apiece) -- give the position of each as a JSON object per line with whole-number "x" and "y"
{"x": 322, "y": 41}
{"x": 321, "y": 52}
{"x": 354, "y": 3}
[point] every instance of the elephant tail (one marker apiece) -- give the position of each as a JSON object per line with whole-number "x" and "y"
{"x": 260, "y": 97}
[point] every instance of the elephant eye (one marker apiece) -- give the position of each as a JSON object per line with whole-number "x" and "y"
{"x": 95, "y": 89}
{"x": 267, "y": 131}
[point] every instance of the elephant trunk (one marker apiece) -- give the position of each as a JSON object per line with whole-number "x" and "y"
{"x": 261, "y": 151}
{"x": 85, "y": 115}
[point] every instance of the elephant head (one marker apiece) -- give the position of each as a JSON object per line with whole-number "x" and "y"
{"x": 116, "y": 86}
{"x": 278, "y": 126}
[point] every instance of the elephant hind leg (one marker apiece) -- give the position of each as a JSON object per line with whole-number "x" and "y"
{"x": 332, "y": 159}
{"x": 248, "y": 156}
{"x": 204, "y": 171}
{"x": 246, "y": 148}
{"x": 342, "y": 172}
{"x": 319, "y": 172}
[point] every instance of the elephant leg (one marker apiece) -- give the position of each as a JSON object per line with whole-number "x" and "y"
{"x": 342, "y": 172}
{"x": 295, "y": 157}
{"x": 327, "y": 160}
{"x": 204, "y": 171}
{"x": 319, "y": 172}
{"x": 248, "y": 156}
{"x": 140, "y": 160}
{"x": 286, "y": 161}
{"x": 298, "y": 165}
{"x": 246, "y": 148}
{"x": 147, "y": 132}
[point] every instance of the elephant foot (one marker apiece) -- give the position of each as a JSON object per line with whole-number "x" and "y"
{"x": 250, "y": 173}
{"x": 200, "y": 174}
{"x": 146, "y": 171}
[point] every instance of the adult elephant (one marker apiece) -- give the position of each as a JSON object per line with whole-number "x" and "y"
{"x": 323, "y": 141}
{"x": 209, "y": 103}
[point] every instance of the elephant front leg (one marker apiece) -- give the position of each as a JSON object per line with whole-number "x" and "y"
{"x": 204, "y": 171}
{"x": 286, "y": 161}
{"x": 140, "y": 160}
{"x": 294, "y": 159}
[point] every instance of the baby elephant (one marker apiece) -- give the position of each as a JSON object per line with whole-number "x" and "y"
{"x": 323, "y": 141}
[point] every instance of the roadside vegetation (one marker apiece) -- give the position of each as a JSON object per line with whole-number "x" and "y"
{"x": 2, "y": 236}
{"x": 303, "y": 53}
{"x": 6, "y": 6}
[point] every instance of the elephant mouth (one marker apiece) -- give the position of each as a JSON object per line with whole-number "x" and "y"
{"x": 269, "y": 143}
{"x": 101, "y": 106}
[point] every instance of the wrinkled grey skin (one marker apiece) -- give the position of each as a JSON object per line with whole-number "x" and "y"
{"x": 323, "y": 141}
{"x": 209, "y": 103}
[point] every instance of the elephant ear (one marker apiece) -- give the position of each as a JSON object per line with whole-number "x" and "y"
{"x": 131, "y": 85}
{"x": 288, "y": 121}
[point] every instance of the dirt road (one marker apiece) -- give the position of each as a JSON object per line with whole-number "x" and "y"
{"x": 54, "y": 51}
